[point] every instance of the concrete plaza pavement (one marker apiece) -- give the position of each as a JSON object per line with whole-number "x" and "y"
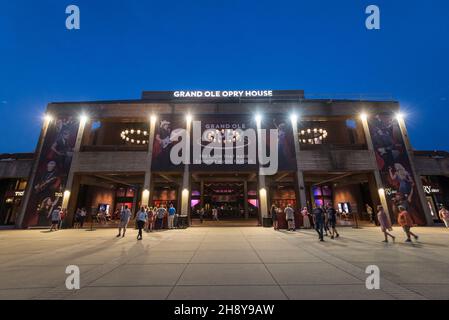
{"x": 222, "y": 263}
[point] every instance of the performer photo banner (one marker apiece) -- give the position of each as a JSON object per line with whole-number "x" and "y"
{"x": 286, "y": 143}
{"x": 52, "y": 172}
{"x": 221, "y": 129}
{"x": 395, "y": 167}
{"x": 163, "y": 143}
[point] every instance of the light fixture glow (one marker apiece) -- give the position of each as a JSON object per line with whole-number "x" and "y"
{"x": 294, "y": 118}
{"x": 48, "y": 117}
{"x": 189, "y": 118}
{"x": 258, "y": 118}
{"x": 364, "y": 116}
{"x": 153, "y": 118}
{"x": 312, "y": 136}
{"x": 399, "y": 116}
{"x": 84, "y": 118}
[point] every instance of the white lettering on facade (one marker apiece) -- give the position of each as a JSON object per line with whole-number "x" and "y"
{"x": 224, "y": 94}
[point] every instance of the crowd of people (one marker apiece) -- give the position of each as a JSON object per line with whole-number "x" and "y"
{"x": 150, "y": 219}
{"x": 324, "y": 220}
{"x": 147, "y": 219}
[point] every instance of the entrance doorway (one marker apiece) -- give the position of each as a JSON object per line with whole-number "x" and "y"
{"x": 349, "y": 193}
{"x": 103, "y": 196}
{"x": 224, "y": 200}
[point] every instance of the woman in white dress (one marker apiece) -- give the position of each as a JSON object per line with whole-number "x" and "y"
{"x": 306, "y": 219}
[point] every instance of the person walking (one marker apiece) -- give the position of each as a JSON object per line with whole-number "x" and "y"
{"x": 290, "y": 216}
{"x": 202, "y": 215}
{"x": 325, "y": 222}
{"x": 306, "y": 218}
{"x": 370, "y": 212}
{"x": 151, "y": 218}
{"x": 332, "y": 220}
{"x": 318, "y": 221}
{"x": 406, "y": 222}
{"x": 161, "y": 212}
{"x": 55, "y": 219}
{"x": 125, "y": 215}
{"x": 141, "y": 219}
{"x": 274, "y": 216}
{"x": 177, "y": 220}
{"x": 62, "y": 217}
{"x": 171, "y": 216}
{"x": 76, "y": 225}
{"x": 444, "y": 215}
{"x": 82, "y": 217}
{"x": 215, "y": 214}
{"x": 384, "y": 223}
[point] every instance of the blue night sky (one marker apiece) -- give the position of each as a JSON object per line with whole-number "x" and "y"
{"x": 320, "y": 46}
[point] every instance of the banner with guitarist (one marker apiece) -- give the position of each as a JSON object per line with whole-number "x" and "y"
{"x": 53, "y": 169}
{"x": 163, "y": 144}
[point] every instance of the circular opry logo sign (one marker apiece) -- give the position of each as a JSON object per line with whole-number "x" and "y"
{"x": 223, "y": 94}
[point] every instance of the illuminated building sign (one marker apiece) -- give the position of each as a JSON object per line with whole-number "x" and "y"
{"x": 19, "y": 193}
{"x": 224, "y": 94}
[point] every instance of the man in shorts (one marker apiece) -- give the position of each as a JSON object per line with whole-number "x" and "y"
{"x": 55, "y": 219}
{"x": 332, "y": 220}
{"x": 406, "y": 222}
{"x": 125, "y": 215}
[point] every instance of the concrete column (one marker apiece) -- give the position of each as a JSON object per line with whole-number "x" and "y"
{"x": 71, "y": 207}
{"x": 245, "y": 197}
{"x": 377, "y": 177}
{"x": 263, "y": 192}
{"x": 146, "y": 194}
{"x": 263, "y": 199}
{"x": 32, "y": 177}
{"x": 185, "y": 195}
{"x": 302, "y": 201}
{"x": 76, "y": 150}
{"x": 69, "y": 193}
{"x": 202, "y": 193}
{"x": 151, "y": 194}
{"x": 416, "y": 177}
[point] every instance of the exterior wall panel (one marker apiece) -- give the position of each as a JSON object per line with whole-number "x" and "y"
{"x": 15, "y": 169}
{"x": 427, "y": 166}
{"x": 337, "y": 160}
{"x": 88, "y": 162}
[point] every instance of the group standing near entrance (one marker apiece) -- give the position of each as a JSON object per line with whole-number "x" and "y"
{"x": 322, "y": 219}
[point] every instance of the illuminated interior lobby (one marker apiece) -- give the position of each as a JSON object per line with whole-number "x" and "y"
{"x": 104, "y": 155}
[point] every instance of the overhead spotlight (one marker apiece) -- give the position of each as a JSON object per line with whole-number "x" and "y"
{"x": 294, "y": 117}
{"x": 364, "y": 116}
{"x": 48, "y": 117}
{"x": 399, "y": 116}
{"x": 84, "y": 118}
